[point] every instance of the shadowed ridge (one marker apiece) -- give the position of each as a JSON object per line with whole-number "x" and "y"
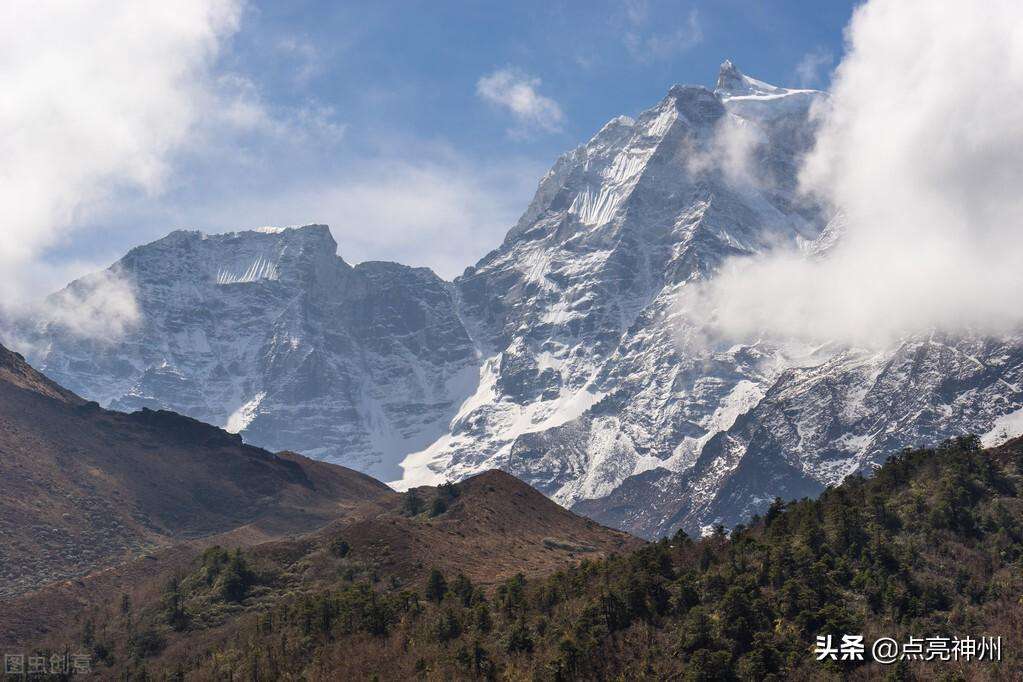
{"x": 87, "y": 488}
{"x": 16, "y": 371}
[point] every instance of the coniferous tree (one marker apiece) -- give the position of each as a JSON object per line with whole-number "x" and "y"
{"x": 436, "y": 586}
{"x": 413, "y": 505}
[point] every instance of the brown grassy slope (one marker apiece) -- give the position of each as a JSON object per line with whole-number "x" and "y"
{"x": 85, "y": 488}
{"x": 496, "y": 527}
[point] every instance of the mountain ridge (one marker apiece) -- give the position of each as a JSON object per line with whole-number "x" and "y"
{"x": 562, "y": 356}
{"x": 88, "y": 488}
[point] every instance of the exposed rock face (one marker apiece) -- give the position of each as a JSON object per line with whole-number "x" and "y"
{"x": 562, "y": 356}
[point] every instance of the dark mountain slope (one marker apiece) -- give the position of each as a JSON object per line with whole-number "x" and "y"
{"x": 86, "y": 487}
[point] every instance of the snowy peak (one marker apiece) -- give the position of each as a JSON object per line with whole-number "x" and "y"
{"x": 730, "y": 79}
{"x": 734, "y": 83}
{"x": 688, "y": 132}
{"x": 590, "y": 186}
{"x": 235, "y": 258}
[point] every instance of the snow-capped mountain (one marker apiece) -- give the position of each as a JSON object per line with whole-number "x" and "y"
{"x": 585, "y": 383}
{"x": 271, "y": 334}
{"x": 563, "y": 356}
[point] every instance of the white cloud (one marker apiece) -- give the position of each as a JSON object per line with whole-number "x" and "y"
{"x": 97, "y": 96}
{"x": 636, "y": 11}
{"x": 110, "y": 102}
{"x": 518, "y": 93}
{"x": 235, "y": 108}
{"x": 649, "y": 46}
{"x": 812, "y": 68}
{"x": 101, "y": 305}
{"x": 921, "y": 149}
{"x": 306, "y": 59}
{"x": 732, "y": 150}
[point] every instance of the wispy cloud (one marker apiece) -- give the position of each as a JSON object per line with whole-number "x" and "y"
{"x": 235, "y": 108}
{"x": 101, "y": 306}
{"x": 305, "y": 58}
{"x": 518, "y": 93}
{"x": 732, "y": 151}
{"x": 649, "y": 45}
{"x": 813, "y": 67}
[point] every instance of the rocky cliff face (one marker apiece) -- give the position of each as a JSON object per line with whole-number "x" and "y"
{"x": 562, "y": 356}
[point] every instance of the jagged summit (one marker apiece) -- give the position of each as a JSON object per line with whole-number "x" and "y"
{"x": 311, "y": 233}
{"x": 734, "y": 83}
{"x": 306, "y": 229}
{"x": 729, "y": 77}
{"x": 695, "y": 102}
{"x": 246, "y": 257}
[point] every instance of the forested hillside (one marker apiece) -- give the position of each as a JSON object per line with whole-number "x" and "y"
{"x": 931, "y": 545}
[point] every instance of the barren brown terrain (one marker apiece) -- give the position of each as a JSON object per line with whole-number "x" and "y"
{"x": 86, "y": 488}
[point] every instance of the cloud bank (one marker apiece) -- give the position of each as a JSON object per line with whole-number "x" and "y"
{"x": 518, "y": 93}
{"x": 98, "y": 96}
{"x": 921, "y": 153}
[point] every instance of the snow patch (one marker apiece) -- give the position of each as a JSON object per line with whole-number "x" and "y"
{"x": 743, "y": 397}
{"x": 253, "y": 271}
{"x": 243, "y": 416}
{"x": 660, "y": 125}
{"x": 1005, "y": 427}
{"x": 597, "y": 208}
{"x": 511, "y": 420}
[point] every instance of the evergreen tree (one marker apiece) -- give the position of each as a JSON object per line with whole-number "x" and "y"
{"x": 412, "y": 505}
{"x": 339, "y": 547}
{"x": 436, "y": 586}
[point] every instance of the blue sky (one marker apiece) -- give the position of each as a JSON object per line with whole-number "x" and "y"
{"x": 417, "y": 130}
{"x": 412, "y": 67}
